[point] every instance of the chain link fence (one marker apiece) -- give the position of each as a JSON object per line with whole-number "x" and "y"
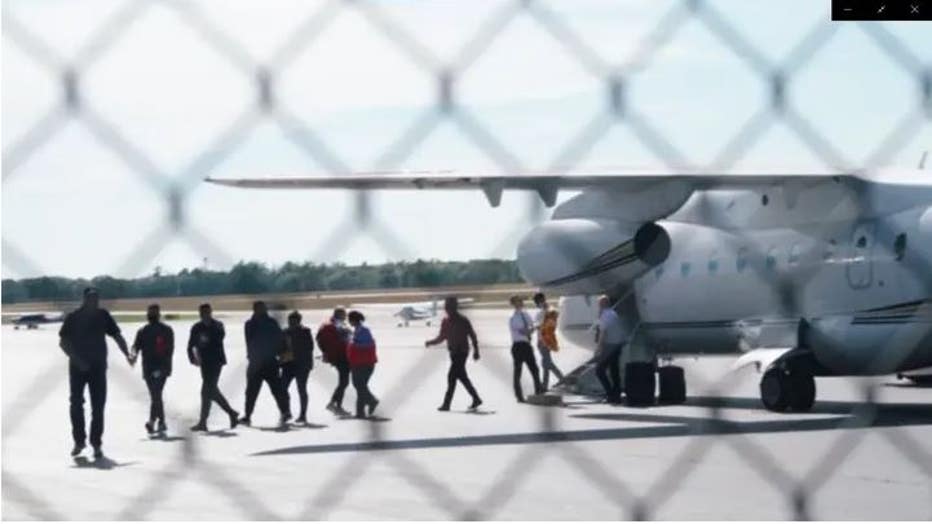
{"x": 174, "y": 187}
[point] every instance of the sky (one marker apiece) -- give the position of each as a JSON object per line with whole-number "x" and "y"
{"x": 73, "y": 207}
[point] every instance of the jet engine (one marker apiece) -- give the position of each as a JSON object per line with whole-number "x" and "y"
{"x": 577, "y": 256}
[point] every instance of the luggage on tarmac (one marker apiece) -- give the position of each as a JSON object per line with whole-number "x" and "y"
{"x": 640, "y": 383}
{"x": 672, "y": 385}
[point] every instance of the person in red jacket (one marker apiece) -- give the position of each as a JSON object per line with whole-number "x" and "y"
{"x": 332, "y": 338}
{"x": 362, "y": 359}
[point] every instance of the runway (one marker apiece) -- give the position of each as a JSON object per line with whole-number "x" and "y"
{"x": 721, "y": 456}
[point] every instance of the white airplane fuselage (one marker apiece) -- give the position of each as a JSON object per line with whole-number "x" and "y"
{"x": 806, "y": 274}
{"x": 840, "y": 269}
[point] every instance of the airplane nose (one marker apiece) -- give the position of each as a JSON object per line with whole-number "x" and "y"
{"x": 589, "y": 256}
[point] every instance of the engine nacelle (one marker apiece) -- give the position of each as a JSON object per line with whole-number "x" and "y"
{"x": 583, "y": 256}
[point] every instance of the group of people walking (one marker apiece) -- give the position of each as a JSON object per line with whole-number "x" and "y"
{"x": 277, "y": 357}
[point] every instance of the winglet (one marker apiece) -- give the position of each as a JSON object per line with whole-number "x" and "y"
{"x": 922, "y": 161}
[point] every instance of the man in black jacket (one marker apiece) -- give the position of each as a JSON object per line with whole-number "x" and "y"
{"x": 264, "y": 340}
{"x": 156, "y": 343}
{"x": 297, "y": 359}
{"x": 205, "y": 350}
{"x": 83, "y": 338}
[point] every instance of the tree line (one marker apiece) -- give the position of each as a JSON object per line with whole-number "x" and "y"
{"x": 257, "y": 278}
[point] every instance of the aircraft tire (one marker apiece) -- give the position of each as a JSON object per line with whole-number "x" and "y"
{"x": 774, "y": 390}
{"x": 801, "y": 393}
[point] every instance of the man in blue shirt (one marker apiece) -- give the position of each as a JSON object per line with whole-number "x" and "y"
{"x": 612, "y": 338}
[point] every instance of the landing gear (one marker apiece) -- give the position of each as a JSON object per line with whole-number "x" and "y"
{"x": 784, "y": 389}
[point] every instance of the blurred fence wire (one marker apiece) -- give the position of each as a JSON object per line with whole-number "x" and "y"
{"x": 175, "y": 188}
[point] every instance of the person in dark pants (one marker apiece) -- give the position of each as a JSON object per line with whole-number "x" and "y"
{"x": 611, "y": 339}
{"x": 332, "y": 338}
{"x": 156, "y": 343}
{"x": 205, "y": 350}
{"x": 264, "y": 339}
{"x": 521, "y": 326}
{"x": 457, "y": 330}
{"x": 297, "y": 360}
{"x": 83, "y": 339}
{"x": 362, "y": 359}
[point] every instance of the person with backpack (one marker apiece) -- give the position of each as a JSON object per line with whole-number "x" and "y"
{"x": 297, "y": 360}
{"x": 333, "y": 337}
{"x": 545, "y": 324}
{"x": 362, "y": 358}
{"x": 457, "y": 331}
{"x": 521, "y": 326}
{"x": 264, "y": 339}
{"x": 156, "y": 343}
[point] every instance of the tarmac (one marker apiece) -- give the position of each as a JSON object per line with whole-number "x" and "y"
{"x": 720, "y": 456}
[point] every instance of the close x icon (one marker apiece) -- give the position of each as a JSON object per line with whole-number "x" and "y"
{"x": 881, "y": 10}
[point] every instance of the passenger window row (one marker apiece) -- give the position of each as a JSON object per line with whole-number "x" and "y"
{"x": 793, "y": 257}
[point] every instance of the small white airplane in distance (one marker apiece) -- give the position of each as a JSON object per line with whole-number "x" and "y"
{"x": 410, "y": 313}
{"x": 416, "y": 311}
{"x": 802, "y": 275}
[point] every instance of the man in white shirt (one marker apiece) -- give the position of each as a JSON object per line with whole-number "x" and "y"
{"x": 522, "y": 326}
{"x": 543, "y": 348}
{"x": 611, "y": 339}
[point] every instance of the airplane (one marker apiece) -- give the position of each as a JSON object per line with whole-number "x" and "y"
{"x": 33, "y": 320}
{"x": 426, "y": 311}
{"x": 800, "y": 275}
{"x": 408, "y": 313}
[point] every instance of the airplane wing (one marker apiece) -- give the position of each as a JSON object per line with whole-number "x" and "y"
{"x": 547, "y": 184}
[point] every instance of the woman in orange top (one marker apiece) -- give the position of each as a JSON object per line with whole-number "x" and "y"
{"x": 546, "y": 325}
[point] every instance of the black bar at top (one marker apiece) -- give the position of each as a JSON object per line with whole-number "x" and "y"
{"x": 882, "y": 10}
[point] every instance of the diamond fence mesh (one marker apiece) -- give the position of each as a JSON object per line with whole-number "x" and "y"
{"x": 175, "y": 186}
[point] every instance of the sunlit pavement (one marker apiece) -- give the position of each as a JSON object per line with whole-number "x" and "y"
{"x": 508, "y": 461}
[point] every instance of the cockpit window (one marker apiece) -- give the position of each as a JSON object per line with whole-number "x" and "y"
{"x": 742, "y": 262}
{"x": 899, "y": 247}
{"x": 795, "y": 253}
{"x": 772, "y": 259}
{"x": 829, "y": 250}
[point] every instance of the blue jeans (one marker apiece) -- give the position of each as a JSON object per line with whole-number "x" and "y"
{"x": 547, "y": 364}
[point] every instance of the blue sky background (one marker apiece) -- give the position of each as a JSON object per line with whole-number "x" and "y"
{"x": 74, "y": 208}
